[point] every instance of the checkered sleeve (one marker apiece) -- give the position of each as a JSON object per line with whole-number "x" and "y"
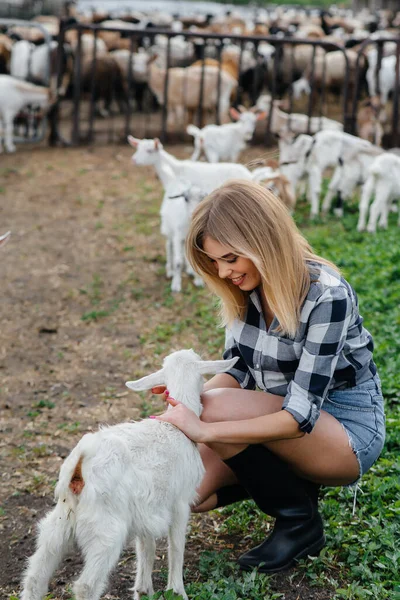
{"x": 240, "y": 371}
{"x": 327, "y": 331}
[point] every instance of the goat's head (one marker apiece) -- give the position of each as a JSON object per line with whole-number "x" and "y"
{"x": 182, "y": 371}
{"x": 146, "y": 150}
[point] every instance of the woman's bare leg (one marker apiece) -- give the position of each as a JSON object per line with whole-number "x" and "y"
{"x": 217, "y": 475}
{"x": 323, "y": 456}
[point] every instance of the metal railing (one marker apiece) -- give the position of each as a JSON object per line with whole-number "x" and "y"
{"x": 392, "y": 85}
{"x": 267, "y": 75}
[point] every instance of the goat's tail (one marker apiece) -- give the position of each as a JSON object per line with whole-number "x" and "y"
{"x": 71, "y": 481}
{"x": 193, "y": 130}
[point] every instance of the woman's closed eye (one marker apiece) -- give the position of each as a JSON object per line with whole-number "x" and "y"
{"x": 229, "y": 260}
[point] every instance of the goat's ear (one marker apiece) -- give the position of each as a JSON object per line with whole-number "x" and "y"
{"x": 157, "y": 143}
{"x": 235, "y": 114}
{"x": 262, "y": 115}
{"x": 212, "y": 367}
{"x": 146, "y": 383}
{"x": 133, "y": 141}
{"x": 4, "y": 238}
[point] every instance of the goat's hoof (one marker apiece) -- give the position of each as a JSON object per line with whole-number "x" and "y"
{"x": 338, "y": 212}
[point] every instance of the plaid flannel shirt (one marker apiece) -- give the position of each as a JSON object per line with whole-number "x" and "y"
{"x": 331, "y": 348}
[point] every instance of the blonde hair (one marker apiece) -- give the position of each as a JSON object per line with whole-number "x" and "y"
{"x": 253, "y": 223}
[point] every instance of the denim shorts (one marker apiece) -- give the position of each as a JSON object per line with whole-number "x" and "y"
{"x": 360, "y": 411}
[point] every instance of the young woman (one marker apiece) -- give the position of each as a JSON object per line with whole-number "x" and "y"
{"x": 293, "y": 323}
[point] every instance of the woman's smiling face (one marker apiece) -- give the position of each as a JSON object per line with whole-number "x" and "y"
{"x": 239, "y": 270}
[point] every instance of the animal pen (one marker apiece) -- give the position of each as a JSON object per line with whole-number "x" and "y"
{"x": 75, "y": 118}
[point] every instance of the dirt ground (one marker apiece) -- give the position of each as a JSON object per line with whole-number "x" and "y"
{"x": 82, "y": 281}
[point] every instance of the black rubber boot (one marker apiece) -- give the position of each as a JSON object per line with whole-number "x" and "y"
{"x": 230, "y": 494}
{"x": 293, "y": 501}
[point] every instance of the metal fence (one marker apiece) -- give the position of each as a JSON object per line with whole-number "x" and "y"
{"x": 274, "y": 75}
{"x": 383, "y": 78}
{"x": 79, "y": 116}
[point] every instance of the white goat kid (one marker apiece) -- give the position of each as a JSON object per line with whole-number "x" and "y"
{"x": 225, "y": 142}
{"x": 296, "y": 123}
{"x": 180, "y": 200}
{"x": 133, "y": 480}
{"x": 383, "y": 182}
{"x": 206, "y": 176}
{"x": 15, "y": 95}
{"x": 327, "y": 150}
{"x": 293, "y": 153}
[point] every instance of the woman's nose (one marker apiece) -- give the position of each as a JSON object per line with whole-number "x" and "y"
{"x": 224, "y": 271}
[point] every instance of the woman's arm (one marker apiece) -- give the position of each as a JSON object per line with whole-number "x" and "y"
{"x": 267, "y": 428}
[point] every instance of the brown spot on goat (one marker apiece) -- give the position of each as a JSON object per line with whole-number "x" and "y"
{"x": 77, "y": 483}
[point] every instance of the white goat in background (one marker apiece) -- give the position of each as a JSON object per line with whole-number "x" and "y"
{"x": 327, "y": 150}
{"x": 15, "y": 94}
{"x": 180, "y": 200}
{"x": 132, "y": 480}
{"x": 225, "y": 142}
{"x": 383, "y": 182}
{"x": 205, "y": 175}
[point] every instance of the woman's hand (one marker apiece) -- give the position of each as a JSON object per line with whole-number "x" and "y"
{"x": 185, "y": 419}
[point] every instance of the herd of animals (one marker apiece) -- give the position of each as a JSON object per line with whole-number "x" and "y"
{"x": 101, "y": 490}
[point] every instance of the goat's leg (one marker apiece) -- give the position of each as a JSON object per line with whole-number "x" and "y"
{"x": 332, "y": 189}
{"x": 145, "y": 554}
{"x": 346, "y": 189}
{"x": 176, "y": 549}
{"x": 367, "y": 191}
{"x": 212, "y": 155}
{"x": 55, "y": 536}
{"x": 197, "y": 150}
{"x": 379, "y": 207}
{"x": 1, "y": 134}
{"x": 8, "y": 132}
{"x": 168, "y": 253}
{"x": 314, "y": 189}
{"x": 177, "y": 261}
{"x": 101, "y": 544}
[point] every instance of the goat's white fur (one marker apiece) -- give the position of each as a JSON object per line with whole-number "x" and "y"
{"x": 296, "y": 123}
{"x": 224, "y": 142}
{"x": 179, "y": 202}
{"x": 206, "y": 176}
{"x": 383, "y": 181}
{"x": 14, "y": 95}
{"x": 140, "y": 480}
{"x": 327, "y": 150}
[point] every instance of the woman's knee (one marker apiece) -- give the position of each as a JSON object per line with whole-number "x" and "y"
{"x": 213, "y": 406}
